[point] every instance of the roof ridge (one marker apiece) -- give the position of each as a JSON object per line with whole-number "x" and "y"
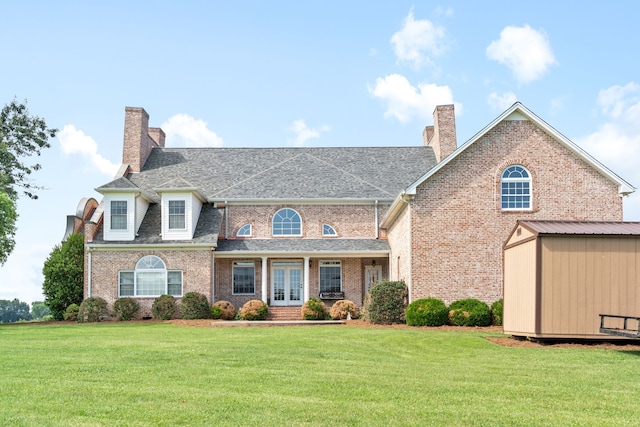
{"x": 352, "y": 175}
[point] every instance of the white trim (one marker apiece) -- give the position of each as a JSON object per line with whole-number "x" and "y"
{"x": 265, "y": 291}
{"x": 329, "y": 263}
{"x": 519, "y": 112}
{"x": 313, "y": 254}
{"x": 237, "y": 263}
{"x": 301, "y": 201}
{"x": 273, "y": 218}
{"x": 305, "y": 279}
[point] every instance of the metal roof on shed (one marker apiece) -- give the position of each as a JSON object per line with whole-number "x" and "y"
{"x": 603, "y": 228}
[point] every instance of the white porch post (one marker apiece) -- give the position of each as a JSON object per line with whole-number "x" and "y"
{"x": 305, "y": 296}
{"x": 264, "y": 279}
{"x": 213, "y": 276}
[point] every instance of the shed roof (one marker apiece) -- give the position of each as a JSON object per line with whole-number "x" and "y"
{"x": 603, "y": 228}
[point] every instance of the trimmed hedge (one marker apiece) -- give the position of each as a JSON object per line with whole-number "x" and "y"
{"x": 427, "y": 312}
{"x": 254, "y": 310}
{"x": 195, "y": 305}
{"x": 71, "y": 313}
{"x": 126, "y": 308}
{"x": 164, "y": 307}
{"x": 342, "y": 309}
{"x": 496, "y": 312}
{"x": 228, "y": 310}
{"x": 469, "y": 312}
{"x": 92, "y": 310}
{"x": 386, "y": 302}
{"x": 314, "y": 309}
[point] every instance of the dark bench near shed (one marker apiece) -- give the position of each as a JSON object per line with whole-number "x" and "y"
{"x": 625, "y": 331}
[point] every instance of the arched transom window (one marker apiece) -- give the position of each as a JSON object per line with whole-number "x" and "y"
{"x": 515, "y": 188}
{"x": 150, "y": 278}
{"x": 287, "y": 222}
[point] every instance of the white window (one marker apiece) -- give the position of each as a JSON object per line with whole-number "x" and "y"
{"x": 330, "y": 276}
{"x": 118, "y": 214}
{"x": 328, "y": 230}
{"x": 515, "y": 188}
{"x": 244, "y": 231}
{"x": 150, "y": 278}
{"x": 244, "y": 278}
{"x": 177, "y": 215}
{"x": 287, "y": 222}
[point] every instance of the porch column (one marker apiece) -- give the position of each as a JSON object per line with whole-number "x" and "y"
{"x": 305, "y": 295}
{"x": 264, "y": 279}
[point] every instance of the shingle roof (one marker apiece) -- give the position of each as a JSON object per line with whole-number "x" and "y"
{"x": 303, "y": 245}
{"x": 206, "y": 232}
{"x": 291, "y": 173}
{"x": 604, "y": 228}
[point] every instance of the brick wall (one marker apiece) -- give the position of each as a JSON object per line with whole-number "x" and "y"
{"x": 458, "y": 227}
{"x": 105, "y": 265}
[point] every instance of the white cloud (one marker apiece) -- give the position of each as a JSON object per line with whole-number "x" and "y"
{"x": 75, "y": 141}
{"x": 405, "y": 101}
{"x": 304, "y": 133}
{"x": 525, "y": 51}
{"x": 616, "y": 143}
{"x": 501, "y": 102}
{"x": 419, "y": 41}
{"x": 182, "y": 130}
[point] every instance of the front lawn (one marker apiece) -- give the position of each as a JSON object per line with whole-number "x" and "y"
{"x": 159, "y": 374}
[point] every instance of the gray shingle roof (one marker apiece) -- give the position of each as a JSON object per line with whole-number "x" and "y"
{"x": 303, "y": 245}
{"x": 289, "y": 173}
{"x": 206, "y": 232}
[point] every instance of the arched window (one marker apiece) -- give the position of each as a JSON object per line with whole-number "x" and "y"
{"x": 150, "y": 278}
{"x": 515, "y": 188}
{"x": 286, "y": 222}
{"x": 244, "y": 231}
{"x": 328, "y": 230}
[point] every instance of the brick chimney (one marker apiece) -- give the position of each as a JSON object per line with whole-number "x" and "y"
{"x": 442, "y": 135}
{"x": 139, "y": 139}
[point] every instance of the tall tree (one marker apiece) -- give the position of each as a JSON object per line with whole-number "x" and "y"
{"x": 64, "y": 276}
{"x": 21, "y": 135}
{"x": 13, "y": 311}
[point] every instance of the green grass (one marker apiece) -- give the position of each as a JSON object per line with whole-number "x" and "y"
{"x": 158, "y": 374}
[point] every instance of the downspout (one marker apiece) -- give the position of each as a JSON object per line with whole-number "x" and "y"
{"x": 213, "y": 276}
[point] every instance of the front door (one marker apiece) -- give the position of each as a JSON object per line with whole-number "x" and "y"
{"x": 372, "y": 275}
{"x": 286, "y": 283}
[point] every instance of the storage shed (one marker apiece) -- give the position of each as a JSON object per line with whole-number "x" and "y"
{"x": 559, "y": 276}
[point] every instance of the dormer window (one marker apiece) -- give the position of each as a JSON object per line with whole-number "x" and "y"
{"x": 328, "y": 230}
{"x": 118, "y": 214}
{"x": 177, "y": 215}
{"x": 287, "y": 222}
{"x": 244, "y": 231}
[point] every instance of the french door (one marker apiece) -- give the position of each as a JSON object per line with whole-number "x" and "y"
{"x": 286, "y": 283}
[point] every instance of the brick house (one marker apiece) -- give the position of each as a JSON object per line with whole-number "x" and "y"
{"x": 287, "y": 224}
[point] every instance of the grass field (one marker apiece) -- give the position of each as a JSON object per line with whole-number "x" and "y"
{"x": 159, "y": 374}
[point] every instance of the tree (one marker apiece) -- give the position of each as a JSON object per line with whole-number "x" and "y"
{"x": 64, "y": 276}
{"x": 12, "y": 311}
{"x": 39, "y": 310}
{"x": 21, "y": 135}
{"x": 8, "y": 217}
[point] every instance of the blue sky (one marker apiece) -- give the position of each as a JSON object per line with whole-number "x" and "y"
{"x": 313, "y": 73}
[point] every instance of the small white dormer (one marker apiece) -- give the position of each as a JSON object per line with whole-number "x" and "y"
{"x": 180, "y": 205}
{"x": 124, "y": 210}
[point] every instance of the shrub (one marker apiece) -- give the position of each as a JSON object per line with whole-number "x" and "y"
{"x": 126, "y": 308}
{"x": 469, "y": 312}
{"x": 195, "y": 306}
{"x": 341, "y": 309}
{"x": 314, "y": 309}
{"x": 496, "y": 312}
{"x": 427, "y": 312}
{"x": 71, "y": 313}
{"x": 228, "y": 310}
{"x": 254, "y": 310}
{"x": 386, "y": 302}
{"x": 164, "y": 307}
{"x": 92, "y": 310}
{"x": 216, "y": 312}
